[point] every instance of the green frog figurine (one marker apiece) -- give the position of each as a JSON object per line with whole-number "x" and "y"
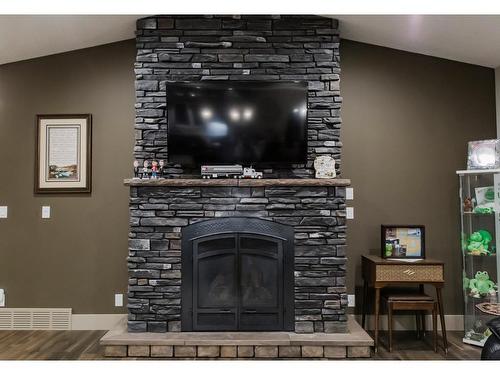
{"x": 478, "y": 243}
{"x": 481, "y": 285}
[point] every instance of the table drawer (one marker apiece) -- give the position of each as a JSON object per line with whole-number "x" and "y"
{"x": 411, "y": 272}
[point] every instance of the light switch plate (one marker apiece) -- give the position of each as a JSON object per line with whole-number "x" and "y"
{"x": 3, "y": 212}
{"x": 351, "y": 300}
{"x": 349, "y": 212}
{"x": 2, "y": 298}
{"x": 45, "y": 212}
{"x": 118, "y": 300}
{"x": 349, "y": 193}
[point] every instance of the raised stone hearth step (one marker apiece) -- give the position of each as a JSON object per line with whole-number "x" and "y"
{"x": 244, "y": 345}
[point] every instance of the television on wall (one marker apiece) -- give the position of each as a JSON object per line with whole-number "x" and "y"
{"x": 237, "y": 122}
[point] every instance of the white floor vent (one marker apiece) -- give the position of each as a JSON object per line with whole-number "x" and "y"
{"x": 35, "y": 319}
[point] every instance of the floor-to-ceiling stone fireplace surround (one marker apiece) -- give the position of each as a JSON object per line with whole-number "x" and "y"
{"x": 197, "y": 48}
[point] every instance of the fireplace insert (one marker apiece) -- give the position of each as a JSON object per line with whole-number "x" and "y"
{"x": 237, "y": 275}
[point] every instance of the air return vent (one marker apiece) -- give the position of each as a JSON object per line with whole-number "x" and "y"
{"x": 35, "y": 319}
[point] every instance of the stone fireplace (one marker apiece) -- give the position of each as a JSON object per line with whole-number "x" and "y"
{"x": 237, "y": 255}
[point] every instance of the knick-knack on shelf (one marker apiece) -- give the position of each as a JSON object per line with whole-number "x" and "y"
{"x": 136, "y": 168}
{"x": 145, "y": 170}
{"x": 154, "y": 169}
{"x": 324, "y": 166}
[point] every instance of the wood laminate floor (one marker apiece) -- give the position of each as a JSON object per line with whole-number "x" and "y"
{"x": 71, "y": 345}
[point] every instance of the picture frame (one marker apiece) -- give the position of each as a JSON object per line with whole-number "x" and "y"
{"x": 402, "y": 241}
{"x": 63, "y": 154}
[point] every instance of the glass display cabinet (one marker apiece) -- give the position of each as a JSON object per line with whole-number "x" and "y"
{"x": 480, "y": 239}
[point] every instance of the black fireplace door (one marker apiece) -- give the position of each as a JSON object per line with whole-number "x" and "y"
{"x": 238, "y": 278}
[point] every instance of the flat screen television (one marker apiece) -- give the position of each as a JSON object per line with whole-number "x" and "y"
{"x": 237, "y": 122}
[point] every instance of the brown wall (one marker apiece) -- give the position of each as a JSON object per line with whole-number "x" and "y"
{"x": 406, "y": 122}
{"x": 77, "y": 258}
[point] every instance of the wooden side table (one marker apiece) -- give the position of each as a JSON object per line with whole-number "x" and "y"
{"x": 378, "y": 273}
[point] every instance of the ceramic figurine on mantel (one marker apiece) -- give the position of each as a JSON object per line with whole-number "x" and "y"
{"x": 145, "y": 170}
{"x": 162, "y": 167}
{"x": 324, "y": 166}
{"x": 136, "y": 168}
{"x": 154, "y": 169}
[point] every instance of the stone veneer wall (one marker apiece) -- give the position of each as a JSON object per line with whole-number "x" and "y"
{"x": 198, "y": 48}
{"x": 194, "y": 48}
{"x": 158, "y": 214}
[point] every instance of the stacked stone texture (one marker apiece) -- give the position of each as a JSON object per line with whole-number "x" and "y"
{"x": 158, "y": 214}
{"x": 263, "y": 48}
{"x": 198, "y": 48}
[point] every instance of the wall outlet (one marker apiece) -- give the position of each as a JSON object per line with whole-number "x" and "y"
{"x": 349, "y": 193}
{"x": 45, "y": 212}
{"x": 349, "y": 212}
{"x": 351, "y": 300}
{"x": 2, "y": 298}
{"x": 3, "y": 212}
{"x": 118, "y": 300}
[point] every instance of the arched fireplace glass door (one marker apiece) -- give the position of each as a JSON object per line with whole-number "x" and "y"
{"x": 237, "y": 276}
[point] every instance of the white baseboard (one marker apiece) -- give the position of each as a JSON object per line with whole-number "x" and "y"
{"x": 96, "y": 321}
{"x": 401, "y": 322}
{"x": 407, "y": 322}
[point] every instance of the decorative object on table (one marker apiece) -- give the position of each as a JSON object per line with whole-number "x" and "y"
{"x": 468, "y": 207}
{"x": 483, "y": 154}
{"x": 145, "y": 170}
{"x": 250, "y": 172}
{"x": 489, "y": 308}
{"x": 154, "y": 169}
{"x": 324, "y": 166}
{"x": 403, "y": 241}
{"x": 63, "y": 154}
{"x": 216, "y": 171}
{"x": 136, "y": 168}
{"x": 481, "y": 285}
{"x": 478, "y": 243}
{"x": 485, "y": 200}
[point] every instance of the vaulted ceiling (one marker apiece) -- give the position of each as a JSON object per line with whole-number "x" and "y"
{"x": 470, "y": 39}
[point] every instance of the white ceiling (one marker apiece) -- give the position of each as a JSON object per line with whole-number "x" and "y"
{"x": 25, "y": 37}
{"x": 470, "y": 39}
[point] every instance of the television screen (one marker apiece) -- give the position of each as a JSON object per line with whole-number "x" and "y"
{"x": 236, "y": 122}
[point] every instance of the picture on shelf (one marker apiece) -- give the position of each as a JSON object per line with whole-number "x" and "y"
{"x": 403, "y": 241}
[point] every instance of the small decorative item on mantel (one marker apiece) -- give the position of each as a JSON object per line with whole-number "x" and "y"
{"x": 162, "y": 167}
{"x": 325, "y": 167}
{"x": 136, "y": 168}
{"x": 145, "y": 170}
{"x": 154, "y": 169}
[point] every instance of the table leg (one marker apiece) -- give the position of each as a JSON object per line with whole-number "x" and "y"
{"x": 434, "y": 326}
{"x": 441, "y": 317}
{"x": 365, "y": 303}
{"x": 389, "y": 321}
{"x": 377, "y": 312}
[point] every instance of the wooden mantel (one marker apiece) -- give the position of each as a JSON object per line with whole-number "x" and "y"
{"x": 238, "y": 182}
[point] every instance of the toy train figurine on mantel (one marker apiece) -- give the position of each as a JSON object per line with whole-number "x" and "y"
{"x": 228, "y": 171}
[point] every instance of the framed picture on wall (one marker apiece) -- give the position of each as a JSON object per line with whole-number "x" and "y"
{"x": 403, "y": 241}
{"x": 63, "y": 154}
